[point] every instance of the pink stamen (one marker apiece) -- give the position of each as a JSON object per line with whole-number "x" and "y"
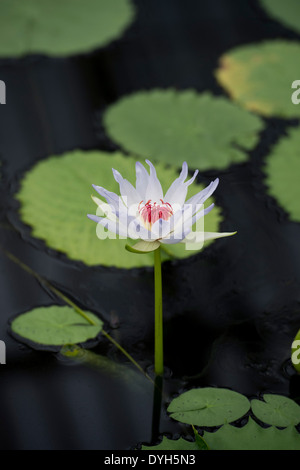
{"x": 150, "y": 213}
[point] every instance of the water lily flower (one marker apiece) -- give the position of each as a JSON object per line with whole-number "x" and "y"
{"x": 146, "y": 214}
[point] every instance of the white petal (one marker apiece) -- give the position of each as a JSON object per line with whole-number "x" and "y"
{"x": 111, "y": 198}
{"x": 129, "y": 194}
{"x": 189, "y": 182}
{"x": 171, "y": 194}
{"x": 185, "y": 223}
{"x": 137, "y": 231}
{"x": 154, "y": 190}
{"x": 213, "y": 236}
{"x": 117, "y": 205}
{"x": 162, "y": 228}
{"x": 203, "y": 195}
{"x": 112, "y": 226}
{"x": 177, "y": 192}
{"x": 105, "y": 209}
{"x": 195, "y": 241}
{"x": 201, "y": 213}
{"x": 142, "y": 180}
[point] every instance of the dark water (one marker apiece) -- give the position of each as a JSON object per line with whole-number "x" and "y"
{"x": 231, "y": 313}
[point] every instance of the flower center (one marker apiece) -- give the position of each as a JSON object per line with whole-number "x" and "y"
{"x": 151, "y": 212}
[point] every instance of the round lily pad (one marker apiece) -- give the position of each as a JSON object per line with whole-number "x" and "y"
{"x": 260, "y": 76}
{"x": 276, "y": 410}
{"x": 286, "y": 12}
{"x": 253, "y": 437}
{"x": 60, "y": 27}
{"x": 55, "y": 197}
{"x": 282, "y": 173}
{"x": 169, "y": 126}
{"x": 55, "y": 326}
{"x": 209, "y": 406}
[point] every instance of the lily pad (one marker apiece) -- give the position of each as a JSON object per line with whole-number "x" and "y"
{"x": 60, "y": 27}
{"x": 55, "y": 326}
{"x": 253, "y": 437}
{"x": 169, "y": 126}
{"x": 287, "y": 12}
{"x": 209, "y": 406}
{"x": 276, "y": 410}
{"x": 169, "y": 444}
{"x": 55, "y": 199}
{"x": 259, "y": 77}
{"x": 282, "y": 173}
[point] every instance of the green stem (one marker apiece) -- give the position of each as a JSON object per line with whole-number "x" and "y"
{"x": 126, "y": 354}
{"x": 158, "y": 328}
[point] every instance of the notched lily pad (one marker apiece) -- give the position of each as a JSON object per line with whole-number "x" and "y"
{"x": 55, "y": 326}
{"x": 259, "y": 77}
{"x": 253, "y": 437}
{"x": 60, "y": 27}
{"x": 209, "y": 407}
{"x": 282, "y": 173}
{"x": 276, "y": 410}
{"x": 55, "y": 199}
{"x": 169, "y": 126}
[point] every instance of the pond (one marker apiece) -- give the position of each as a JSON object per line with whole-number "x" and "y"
{"x": 231, "y": 311}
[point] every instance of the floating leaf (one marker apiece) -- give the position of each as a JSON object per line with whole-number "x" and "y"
{"x": 60, "y": 27}
{"x": 296, "y": 352}
{"x": 282, "y": 170}
{"x": 276, "y": 410}
{"x": 170, "y": 126}
{"x": 260, "y": 76}
{"x": 209, "y": 406}
{"x": 253, "y": 437}
{"x": 169, "y": 444}
{"x": 55, "y": 200}
{"x": 287, "y": 12}
{"x": 55, "y": 326}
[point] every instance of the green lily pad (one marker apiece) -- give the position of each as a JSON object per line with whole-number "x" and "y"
{"x": 253, "y": 437}
{"x": 282, "y": 173}
{"x": 55, "y": 199}
{"x": 209, "y": 406}
{"x": 169, "y": 444}
{"x": 169, "y": 126}
{"x": 276, "y": 410}
{"x": 55, "y": 326}
{"x": 287, "y": 12}
{"x": 296, "y": 352}
{"x": 60, "y": 27}
{"x": 259, "y": 77}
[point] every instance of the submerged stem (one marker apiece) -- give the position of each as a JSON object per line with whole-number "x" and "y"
{"x": 158, "y": 328}
{"x": 73, "y": 305}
